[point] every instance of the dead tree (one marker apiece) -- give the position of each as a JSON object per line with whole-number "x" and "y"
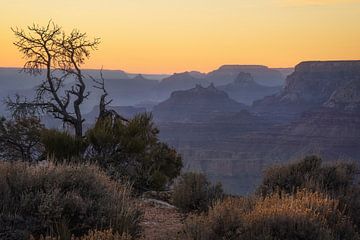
{"x": 58, "y": 57}
{"x": 104, "y": 112}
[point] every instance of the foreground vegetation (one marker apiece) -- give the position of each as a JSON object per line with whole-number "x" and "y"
{"x": 63, "y": 200}
{"x": 303, "y": 200}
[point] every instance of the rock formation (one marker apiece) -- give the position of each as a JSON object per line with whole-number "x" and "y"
{"x": 196, "y": 104}
{"x": 261, "y": 74}
{"x": 179, "y": 81}
{"x": 246, "y": 90}
{"x": 312, "y": 85}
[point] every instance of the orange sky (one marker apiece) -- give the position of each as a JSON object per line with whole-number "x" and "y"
{"x": 166, "y": 36}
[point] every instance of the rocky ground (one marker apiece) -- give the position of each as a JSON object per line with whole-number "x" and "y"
{"x": 161, "y": 221}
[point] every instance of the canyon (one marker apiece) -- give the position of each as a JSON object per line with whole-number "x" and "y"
{"x": 316, "y": 113}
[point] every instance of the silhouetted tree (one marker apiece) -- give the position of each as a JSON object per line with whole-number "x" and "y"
{"x": 49, "y": 50}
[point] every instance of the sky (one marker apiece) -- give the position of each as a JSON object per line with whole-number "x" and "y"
{"x": 167, "y": 36}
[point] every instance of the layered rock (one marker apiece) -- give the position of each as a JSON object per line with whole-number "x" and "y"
{"x": 246, "y": 90}
{"x": 345, "y": 98}
{"x": 312, "y": 85}
{"x": 237, "y": 151}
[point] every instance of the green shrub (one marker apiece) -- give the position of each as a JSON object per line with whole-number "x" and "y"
{"x": 62, "y": 146}
{"x": 131, "y": 151}
{"x": 62, "y": 200}
{"x": 193, "y": 192}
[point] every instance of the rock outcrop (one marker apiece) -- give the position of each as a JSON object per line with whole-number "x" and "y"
{"x": 246, "y": 90}
{"x": 196, "y": 104}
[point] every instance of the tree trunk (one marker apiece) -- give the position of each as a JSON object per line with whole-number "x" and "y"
{"x": 78, "y": 129}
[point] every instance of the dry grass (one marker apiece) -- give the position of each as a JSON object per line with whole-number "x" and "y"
{"x": 305, "y": 215}
{"x": 94, "y": 235}
{"x": 223, "y": 221}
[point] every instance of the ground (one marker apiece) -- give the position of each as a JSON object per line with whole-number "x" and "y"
{"x": 161, "y": 221}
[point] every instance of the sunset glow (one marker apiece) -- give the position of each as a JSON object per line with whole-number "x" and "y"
{"x": 162, "y": 36}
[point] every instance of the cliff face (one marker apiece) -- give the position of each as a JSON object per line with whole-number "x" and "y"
{"x": 312, "y": 85}
{"x": 345, "y": 98}
{"x": 196, "y": 104}
{"x": 314, "y": 82}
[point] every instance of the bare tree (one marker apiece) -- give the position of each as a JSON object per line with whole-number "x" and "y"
{"x": 49, "y": 50}
{"x": 103, "y": 103}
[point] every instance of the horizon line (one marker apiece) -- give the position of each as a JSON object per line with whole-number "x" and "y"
{"x": 167, "y": 73}
{"x": 190, "y": 70}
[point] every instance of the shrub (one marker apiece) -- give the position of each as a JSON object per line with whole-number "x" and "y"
{"x": 20, "y": 139}
{"x": 63, "y": 200}
{"x": 350, "y": 203}
{"x": 308, "y": 173}
{"x": 306, "y": 215}
{"x": 131, "y": 151}
{"x": 336, "y": 180}
{"x": 62, "y": 146}
{"x": 193, "y": 192}
{"x": 223, "y": 221}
